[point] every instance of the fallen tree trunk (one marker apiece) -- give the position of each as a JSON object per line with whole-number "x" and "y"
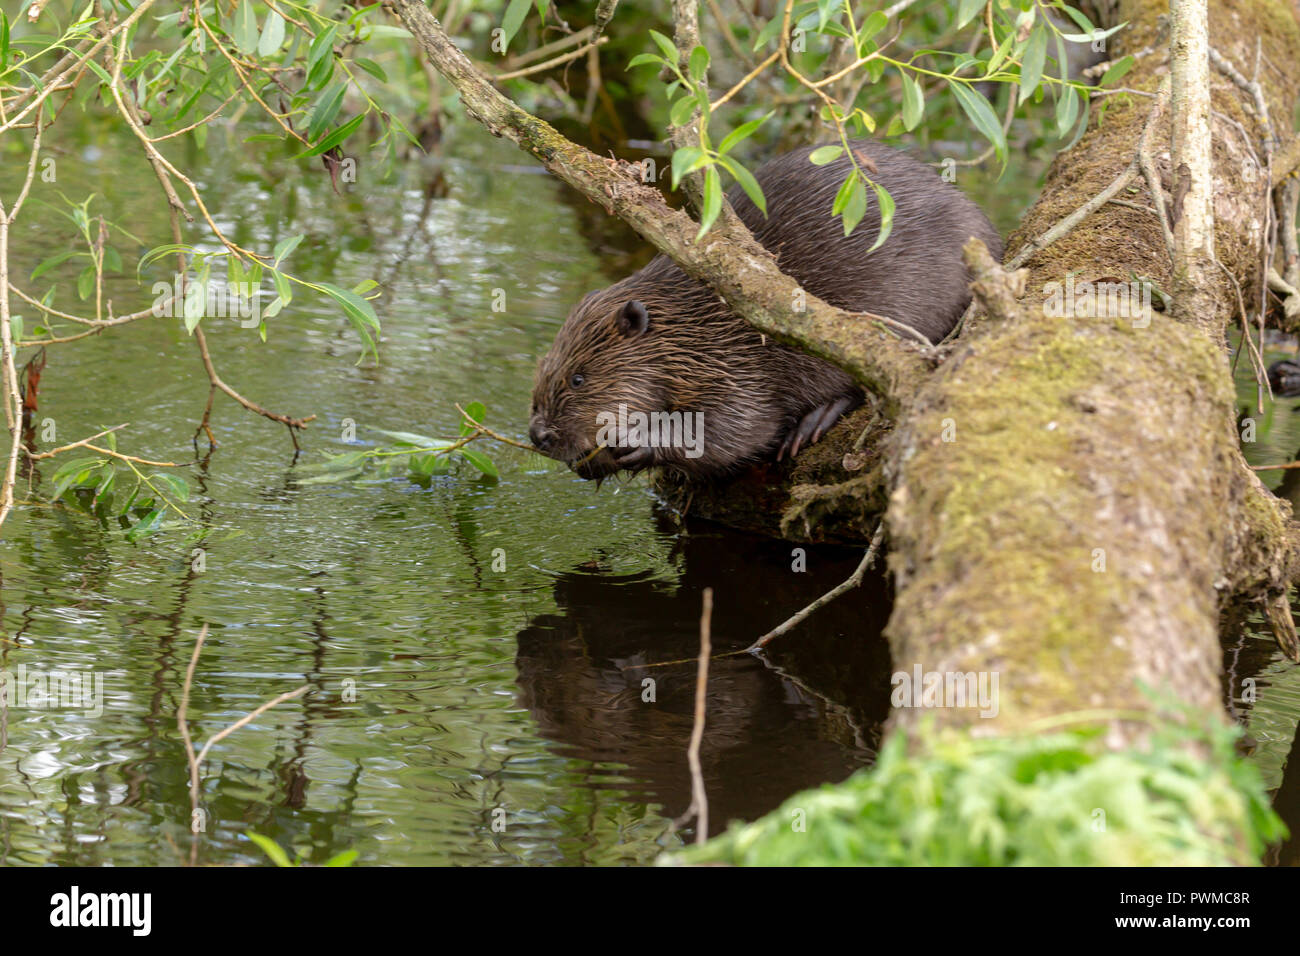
{"x": 1093, "y": 511}
{"x": 1068, "y": 506}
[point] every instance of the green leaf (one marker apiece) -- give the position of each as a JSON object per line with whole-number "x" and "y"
{"x": 1079, "y": 18}
{"x": 335, "y": 463}
{"x": 476, "y": 411}
{"x": 175, "y": 484}
{"x": 282, "y": 287}
{"x": 73, "y": 473}
{"x": 770, "y": 30}
{"x": 885, "y": 203}
{"x": 981, "y": 114}
{"x": 345, "y": 858}
{"x": 147, "y": 525}
{"x": 334, "y": 138}
{"x": 825, "y": 154}
{"x": 1067, "y": 111}
{"x": 1062, "y": 58}
{"x": 320, "y": 57}
{"x": 742, "y": 132}
{"x": 357, "y": 308}
{"x": 245, "y": 32}
{"x": 271, "y": 849}
{"x": 683, "y": 110}
{"x": 874, "y": 23}
{"x": 16, "y": 327}
{"x": 327, "y": 107}
{"x": 4, "y": 40}
{"x": 699, "y": 63}
{"x": 1094, "y": 35}
{"x": 193, "y": 310}
{"x": 643, "y": 58}
{"x": 359, "y": 312}
{"x": 747, "y": 182}
{"x": 1031, "y": 68}
{"x": 665, "y": 45}
{"x": 514, "y": 19}
{"x": 686, "y": 160}
{"x": 855, "y": 207}
{"x": 385, "y": 30}
{"x": 712, "y": 201}
{"x": 1000, "y": 54}
{"x": 966, "y": 10}
{"x": 86, "y": 282}
{"x": 913, "y": 102}
{"x": 373, "y": 68}
{"x": 480, "y": 461}
{"x": 824, "y": 10}
{"x": 842, "y": 196}
{"x": 1117, "y": 70}
{"x": 55, "y": 260}
{"x": 272, "y": 35}
{"x": 284, "y": 247}
{"x": 411, "y": 438}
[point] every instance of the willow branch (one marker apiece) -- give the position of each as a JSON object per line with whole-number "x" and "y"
{"x": 728, "y": 258}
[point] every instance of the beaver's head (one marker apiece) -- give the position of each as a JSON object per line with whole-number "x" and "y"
{"x": 615, "y": 362}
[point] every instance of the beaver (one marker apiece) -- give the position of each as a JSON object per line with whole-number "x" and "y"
{"x": 662, "y": 342}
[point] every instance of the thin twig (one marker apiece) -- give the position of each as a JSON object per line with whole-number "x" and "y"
{"x": 549, "y": 64}
{"x": 1066, "y": 225}
{"x": 1147, "y": 164}
{"x": 182, "y": 724}
{"x": 699, "y": 808}
{"x": 852, "y": 582}
{"x": 491, "y": 434}
{"x": 13, "y": 402}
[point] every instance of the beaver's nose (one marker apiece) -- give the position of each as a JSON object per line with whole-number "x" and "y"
{"x": 542, "y": 436}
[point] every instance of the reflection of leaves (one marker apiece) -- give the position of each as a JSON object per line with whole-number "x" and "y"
{"x": 480, "y": 461}
{"x": 271, "y": 849}
{"x": 279, "y": 857}
{"x": 138, "y": 503}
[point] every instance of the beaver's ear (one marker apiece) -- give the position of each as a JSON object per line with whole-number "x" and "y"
{"x": 633, "y": 319}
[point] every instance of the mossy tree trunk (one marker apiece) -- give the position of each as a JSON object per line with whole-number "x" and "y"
{"x": 1091, "y": 511}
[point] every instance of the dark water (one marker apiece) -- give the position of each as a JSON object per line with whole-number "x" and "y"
{"x": 446, "y": 693}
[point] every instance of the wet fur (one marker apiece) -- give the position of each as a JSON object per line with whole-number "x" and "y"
{"x": 697, "y": 355}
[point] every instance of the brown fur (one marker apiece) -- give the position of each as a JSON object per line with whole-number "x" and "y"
{"x": 696, "y": 355}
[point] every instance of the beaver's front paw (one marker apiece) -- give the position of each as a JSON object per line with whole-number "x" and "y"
{"x": 813, "y": 425}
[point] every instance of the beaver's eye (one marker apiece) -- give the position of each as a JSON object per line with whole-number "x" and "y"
{"x": 577, "y": 379}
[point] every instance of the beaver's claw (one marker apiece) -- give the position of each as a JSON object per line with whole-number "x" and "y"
{"x": 635, "y": 459}
{"x": 812, "y": 426}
